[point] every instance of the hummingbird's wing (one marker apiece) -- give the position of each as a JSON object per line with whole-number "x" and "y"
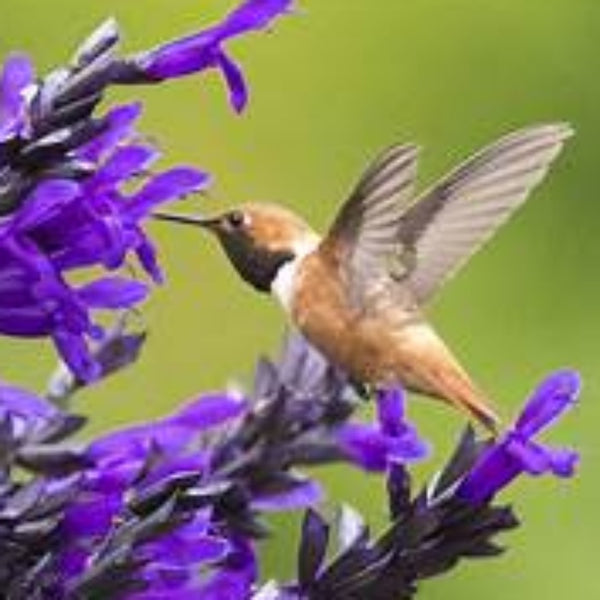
{"x": 365, "y": 233}
{"x": 453, "y": 219}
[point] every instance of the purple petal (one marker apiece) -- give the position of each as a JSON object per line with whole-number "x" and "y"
{"x": 16, "y": 75}
{"x": 553, "y": 396}
{"x": 516, "y": 452}
{"x": 208, "y": 411}
{"x": 235, "y": 579}
{"x": 170, "y": 435}
{"x": 536, "y": 459}
{"x": 532, "y": 458}
{"x": 307, "y": 493}
{"x": 180, "y": 550}
{"x": 373, "y": 447}
{"x": 44, "y": 203}
{"x": 146, "y": 253}
{"x": 113, "y": 293}
{"x": 238, "y": 91}
{"x": 172, "y": 184}
{"x": 72, "y": 561}
{"x": 365, "y": 445}
{"x": 125, "y": 163}
{"x": 167, "y": 593}
{"x": 492, "y": 472}
{"x": 110, "y": 231}
{"x": 201, "y": 51}
{"x": 184, "y": 56}
{"x": 196, "y": 52}
{"x": 114, "y": 475}
{"x": 137, "y": 441}
{"x": 27, "y": 322}
{"x": 254, "y": 14}
{"x": 119, "y": 123}
{"x": 390, "y": 411}
{"x": 563, "y": 462}
{"x": 407, "y": 448}
{"x": 93, "y": 518}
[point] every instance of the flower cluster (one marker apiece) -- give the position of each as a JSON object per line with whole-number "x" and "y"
{"x": 75, "y": 187}
{"x": 452, "y": 518}
{"x": 172, "y": 508}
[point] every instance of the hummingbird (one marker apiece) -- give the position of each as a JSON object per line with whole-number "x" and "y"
{"x": 357, "y": 294}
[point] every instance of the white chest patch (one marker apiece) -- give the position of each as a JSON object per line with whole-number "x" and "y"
{"x": 284, "y": 283}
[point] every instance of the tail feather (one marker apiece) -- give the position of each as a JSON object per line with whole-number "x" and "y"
{"x": 460, "y": 392}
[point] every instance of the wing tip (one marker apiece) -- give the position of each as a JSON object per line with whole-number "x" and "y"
{"x": 557, "y": 131}
{"x": 408, "y": 150}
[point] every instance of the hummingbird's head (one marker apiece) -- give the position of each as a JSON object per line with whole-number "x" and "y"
{"x": 259, "y": 239}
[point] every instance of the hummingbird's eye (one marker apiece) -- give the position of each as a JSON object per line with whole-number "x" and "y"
{"x": 236, "y": 219}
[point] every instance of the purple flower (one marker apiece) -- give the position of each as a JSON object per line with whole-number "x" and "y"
{"x": 169, "y": 435}
{"x": 119, "y": 348}
{"x": 517, "y": 452}
{"x": 68, "y": 222}
{"x": 122, "y": 510}
{"x": 64, "y": 226}
{"x": 170, "y": 508}
{"x": 298, "y": 492}
{"x": 390, "y": 440}
{"x": 203, "y": 50}
{"x": 143, "y": 462}
{"x": 66, "y": 179}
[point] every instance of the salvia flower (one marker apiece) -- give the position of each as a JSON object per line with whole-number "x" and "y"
{"x": 451, "y": 518}
{"x": 171, "y": 508}
{"x": 339, "y": 559}
{"x": 390, "y": 440}
{"x": 136, "y": 475}
{"x": 517, "y": 452}
{"x": 204, "y": 50}
{"x": 76, "y": 187}
{"x": 119, "y": 348}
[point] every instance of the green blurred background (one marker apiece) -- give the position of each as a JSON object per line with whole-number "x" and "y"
{"x": 330, "y": 87}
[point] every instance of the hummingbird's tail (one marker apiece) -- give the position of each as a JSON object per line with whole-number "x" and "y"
{"x": 483, "y": 413}
{"x": 461, "y": 393}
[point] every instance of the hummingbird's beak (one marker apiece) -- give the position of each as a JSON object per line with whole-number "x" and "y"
{"x": 210, "y": 223}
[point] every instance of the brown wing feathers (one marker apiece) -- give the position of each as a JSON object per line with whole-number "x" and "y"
{"x": 449, "y": 222}
{"x": 452, "y": 220}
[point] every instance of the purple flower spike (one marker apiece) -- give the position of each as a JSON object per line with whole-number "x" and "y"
{"x": 390, "y": 440}
{"x": 203, "y": 50}
{"x": 76, "y": 188}
{"x": 145, "y": 464}
{"x": 63, "y": 225}
{"x": 516, "y": 452}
